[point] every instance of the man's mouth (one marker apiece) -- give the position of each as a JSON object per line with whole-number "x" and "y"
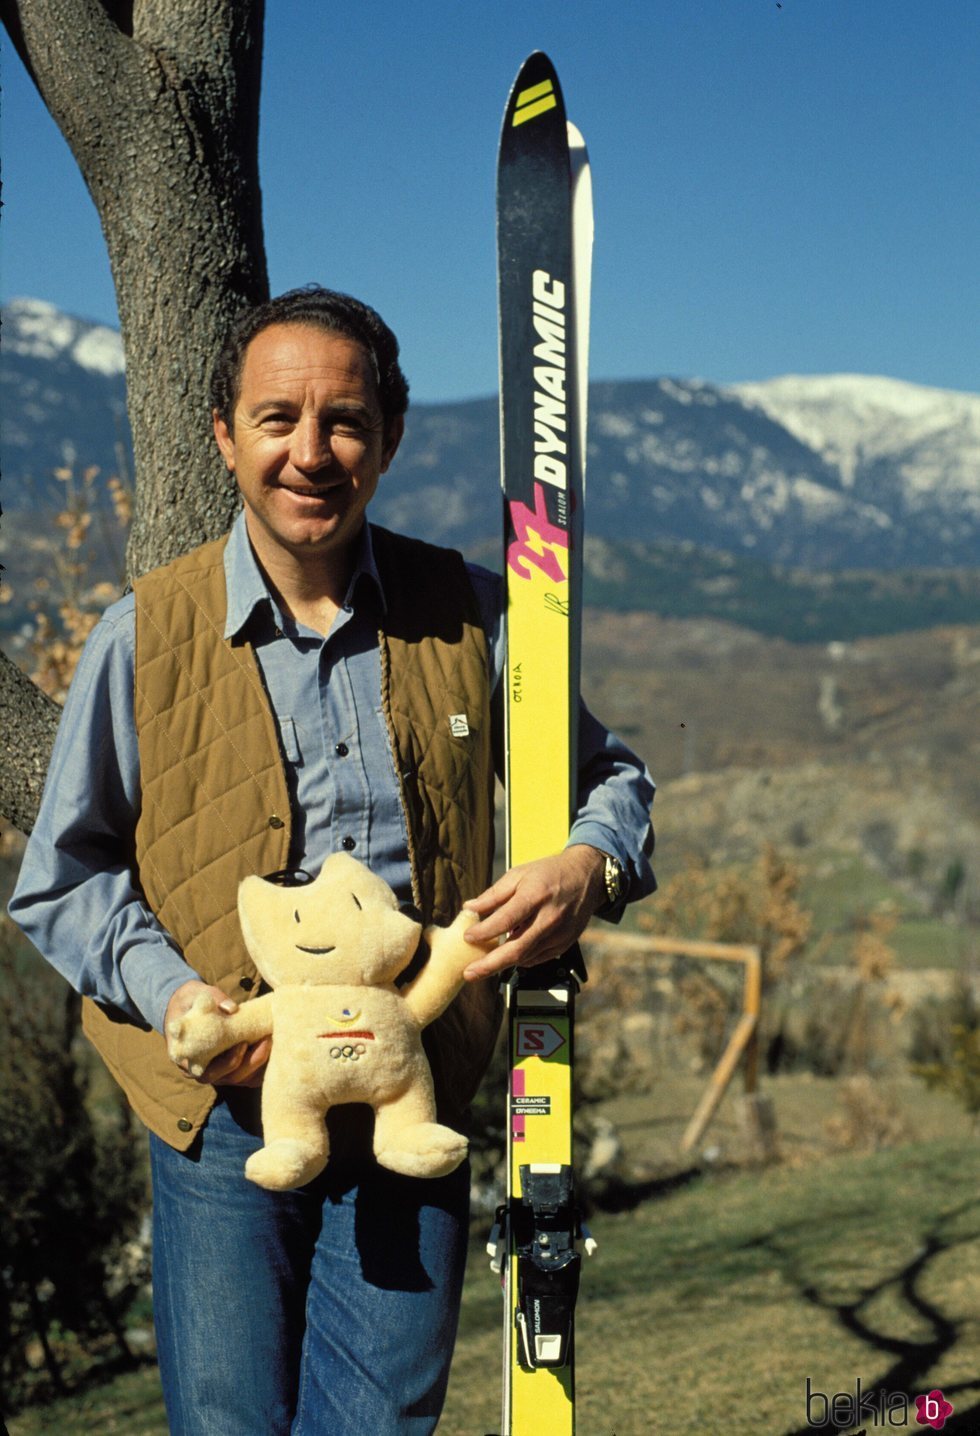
{"x": 314, "y": 491}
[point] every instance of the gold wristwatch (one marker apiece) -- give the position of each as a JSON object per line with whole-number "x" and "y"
{"x": 615, "y": 880}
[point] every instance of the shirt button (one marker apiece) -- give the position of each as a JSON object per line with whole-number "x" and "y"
{"x": 183, "y": 1125}
{"x": 341, "y": 750}
{"x": 247, "y": 983}
{"x": 348, "y": 845}
{"x": 275, "y": 822}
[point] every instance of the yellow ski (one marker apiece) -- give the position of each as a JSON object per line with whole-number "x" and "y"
{"x": 544, "y": 229}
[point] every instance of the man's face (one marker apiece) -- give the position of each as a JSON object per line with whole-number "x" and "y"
{"x": 308, "y": 442}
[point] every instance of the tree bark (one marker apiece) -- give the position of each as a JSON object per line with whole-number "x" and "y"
{"x": 28, "y": 721}
{"x": 159, "y": 104}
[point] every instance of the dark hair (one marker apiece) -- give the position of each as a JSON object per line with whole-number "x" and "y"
{"x": 323, "y": 309}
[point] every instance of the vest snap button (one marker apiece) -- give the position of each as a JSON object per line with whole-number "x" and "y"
{"x": 341, "y": 750}
{"x": 183, "y": 1125}
{"x": 275, "y": 822}
{"x": 348, "y": 845}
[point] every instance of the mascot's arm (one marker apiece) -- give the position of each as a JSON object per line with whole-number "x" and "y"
{"x": 442, "y": 976}
{"x": 203, "y": 1031}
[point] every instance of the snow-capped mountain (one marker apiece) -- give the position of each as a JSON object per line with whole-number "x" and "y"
{"x": 841, "y": 471}
{"x": 63, "y": 396}
{"x": 688, "y": 460}
{"x": 35, "y": 329}
{"x": 926, "y": 440}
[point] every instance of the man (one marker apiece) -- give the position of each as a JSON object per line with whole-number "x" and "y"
{"x": 255, "y": 706}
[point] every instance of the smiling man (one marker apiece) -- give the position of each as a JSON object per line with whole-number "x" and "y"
{"x": 264, "y": 701}
{"x": 307, "y": 443}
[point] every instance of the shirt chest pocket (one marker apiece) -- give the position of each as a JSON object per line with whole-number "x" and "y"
{"x": 289, "y": 738}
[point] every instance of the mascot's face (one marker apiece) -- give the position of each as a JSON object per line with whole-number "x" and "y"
{"x": 344, "y": 928}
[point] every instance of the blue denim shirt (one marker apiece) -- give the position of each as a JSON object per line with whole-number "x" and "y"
{"x": 77, "y": 897}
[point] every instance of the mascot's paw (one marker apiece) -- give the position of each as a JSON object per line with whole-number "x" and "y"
{"x": 197, "y": 1036}
{"x": 448, "y": 945}
{"x": 426, "y": 1149}
{"x": 285, "y": 1163}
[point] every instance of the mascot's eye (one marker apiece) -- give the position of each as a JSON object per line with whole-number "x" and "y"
{"x": 296, "y": 916}
{"x": 359, "y": 908}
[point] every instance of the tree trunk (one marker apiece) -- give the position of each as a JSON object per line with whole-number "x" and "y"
{"x": 159, "y": 103}
{"x": 28, "y": 720}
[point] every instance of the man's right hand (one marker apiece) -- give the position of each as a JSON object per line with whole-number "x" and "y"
{"x": 243, "y": 1065}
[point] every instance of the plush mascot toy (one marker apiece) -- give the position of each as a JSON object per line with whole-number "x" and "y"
{"x": 342, "y": 1031}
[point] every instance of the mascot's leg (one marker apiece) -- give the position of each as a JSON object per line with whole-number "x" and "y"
{"x": 296, "y": 1142}
{"x": 409, "y": 1141}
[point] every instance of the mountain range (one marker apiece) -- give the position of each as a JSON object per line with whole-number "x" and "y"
{"x": 837, "y": 472}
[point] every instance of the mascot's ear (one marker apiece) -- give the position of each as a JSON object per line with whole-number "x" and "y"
{"x": 257, "y": 902}
{"x": 250, "y": 891}
{"x": 254, "y": 894}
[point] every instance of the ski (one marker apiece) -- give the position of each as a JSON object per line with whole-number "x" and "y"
{"x": 544, "y": 239}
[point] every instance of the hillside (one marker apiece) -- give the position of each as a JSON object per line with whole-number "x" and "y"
{"x": 870, "y": 748}
{"x": 823, "y": 472}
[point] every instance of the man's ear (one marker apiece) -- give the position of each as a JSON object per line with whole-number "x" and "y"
{"x": 224, "y": 439}
{"x": 394, "y": 430}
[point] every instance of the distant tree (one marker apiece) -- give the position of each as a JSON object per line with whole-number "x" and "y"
{"x": 159, "y": 103}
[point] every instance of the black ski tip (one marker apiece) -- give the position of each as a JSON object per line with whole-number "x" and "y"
{"x": 535, "y": 62}
{"x": 535, "y": 92}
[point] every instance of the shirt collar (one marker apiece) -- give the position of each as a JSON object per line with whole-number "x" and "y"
{"x": 246, "y": 586}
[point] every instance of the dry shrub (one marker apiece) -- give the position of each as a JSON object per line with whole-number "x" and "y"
{"x": 960, "y": 1074}
{"x": 758, "y": 906}
{"x": 615, "y": 1041}
{"x": 865, "y": 1041}
{"x": 872, "y": 954}
{"x": 935, "y": 1019}
{"x": 870, "y": 1118}
{"x": 946, "y": 1045}
{"x": 68, "y": 599}
{"x": 705, "y": 1007}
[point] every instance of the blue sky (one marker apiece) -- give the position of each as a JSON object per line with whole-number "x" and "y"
{"x": 778, "y": 188}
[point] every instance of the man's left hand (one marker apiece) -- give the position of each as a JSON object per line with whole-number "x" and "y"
{"x": 539, "y": 908}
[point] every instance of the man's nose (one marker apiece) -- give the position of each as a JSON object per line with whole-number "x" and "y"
{"x": 311, "y": 448}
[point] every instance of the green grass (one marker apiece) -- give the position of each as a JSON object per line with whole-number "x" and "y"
{"x": 930, "y": 942}
{"x": 710, "y": 1303}
{"x": 836, "y": 884}
{"x": 708, "y": 1309}
{"x": 839, "y": 888}
{"x": 130, "y": 1404}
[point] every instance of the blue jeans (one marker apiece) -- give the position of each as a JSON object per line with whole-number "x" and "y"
{"x": 328, "y": 1309}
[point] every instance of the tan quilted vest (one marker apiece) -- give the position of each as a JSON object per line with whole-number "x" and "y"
{"x": 215, "y": 806}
